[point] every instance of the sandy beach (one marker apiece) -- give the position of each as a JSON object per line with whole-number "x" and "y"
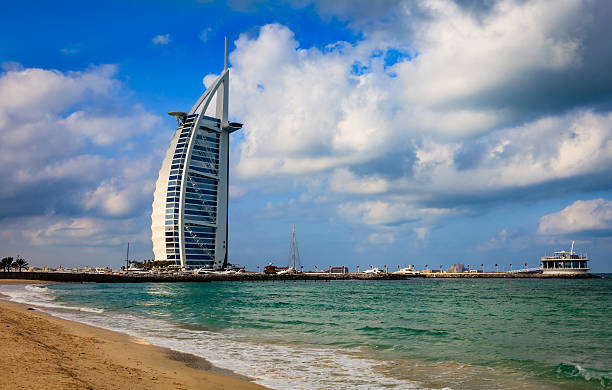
{"x": 38, "y": 351}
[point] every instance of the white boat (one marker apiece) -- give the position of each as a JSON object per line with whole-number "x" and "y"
{"x": 407, "y": 271}
{"x": 202, "y": 271}
{"x": 372, "y": 271}
{"x": 565, "y": 263}
{"x": 289, "y": 270}
{"x": 137, "y": 270}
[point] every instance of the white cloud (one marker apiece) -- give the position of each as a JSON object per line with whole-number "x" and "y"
{"x": 386, "y": 213}
{"x": 508, "y": 238}
{"x": 70, "y": 50}
{"x": 552, "y": 148}
{"x": 63, "y": 163}
{"x": 161, "y": 39}
{"x": 460, "y": 55}
{"x": 205, "y": 34}
{"x": 32, "y": 90}
{"x": 421, "y": 232}
{"x": 438, "y": 108}
{"x": 580, "y": 216}
{"x": 307, "y": 110}
{"x": 52, "y": 231}
{"x": 118, "y": 196}
{"x": 343, "y": 180}
{"x": 382, "y": 238}
{"x": 107, "y": 129}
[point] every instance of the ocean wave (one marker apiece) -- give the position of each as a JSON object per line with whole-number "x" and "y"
{"x": 270, "y": 364}
{"x": 301, "y": 322}
{"x": 38, "y": 295}
{"x": 402, "y": 330}
{"x": 575, "y": 371}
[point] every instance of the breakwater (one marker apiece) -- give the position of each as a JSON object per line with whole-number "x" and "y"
{"x": 75, "y": 277}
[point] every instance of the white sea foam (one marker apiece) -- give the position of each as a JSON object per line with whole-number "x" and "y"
{"x": 276, "y": 366}
{"x": 40, "y": 296}
{"x": 271, "y": 365}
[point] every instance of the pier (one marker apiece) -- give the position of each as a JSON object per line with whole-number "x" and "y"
{"x": 74, "y": 277}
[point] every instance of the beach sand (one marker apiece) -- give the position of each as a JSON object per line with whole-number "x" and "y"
{"x": 39, "y": 351}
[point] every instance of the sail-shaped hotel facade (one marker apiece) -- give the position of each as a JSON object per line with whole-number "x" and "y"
{"x": 190, "y": 206}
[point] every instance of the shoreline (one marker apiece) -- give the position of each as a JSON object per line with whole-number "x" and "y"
{"x": 43, "y": 351}
{"x": 75, "y": 277}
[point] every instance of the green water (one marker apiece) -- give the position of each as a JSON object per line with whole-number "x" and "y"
{"x": 460, "y": 334}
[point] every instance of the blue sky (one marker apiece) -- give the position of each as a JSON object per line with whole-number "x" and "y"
{"x": 422, "y": 132}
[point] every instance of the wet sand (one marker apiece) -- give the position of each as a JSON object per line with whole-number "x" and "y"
{"x": 39, "y": 351}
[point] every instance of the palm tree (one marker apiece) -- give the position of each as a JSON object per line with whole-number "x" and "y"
{"x": 6, "y": 263}
{"x": 20, "y": 264}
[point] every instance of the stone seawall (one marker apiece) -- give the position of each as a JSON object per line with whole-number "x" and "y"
{"x": 122, "y": 278}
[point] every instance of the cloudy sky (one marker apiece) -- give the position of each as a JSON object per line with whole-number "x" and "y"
{"x": 390, "y": 132}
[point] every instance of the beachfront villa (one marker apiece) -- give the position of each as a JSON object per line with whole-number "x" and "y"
{"x": 190, "y": 206}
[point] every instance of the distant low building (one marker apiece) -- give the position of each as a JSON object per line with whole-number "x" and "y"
{"x": 339, "y": 270}
{"x": 456, "y": 268}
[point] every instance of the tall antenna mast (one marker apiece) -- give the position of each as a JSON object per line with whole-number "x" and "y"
{"x": 127, "y": 257}
{"x": 293, "y": 247}
{"x": 225, "y": 67}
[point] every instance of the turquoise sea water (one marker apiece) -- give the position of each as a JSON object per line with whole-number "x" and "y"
{"x": 451, "y": 333}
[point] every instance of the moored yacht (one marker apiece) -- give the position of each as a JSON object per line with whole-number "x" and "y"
{"x": 565, "y": 263}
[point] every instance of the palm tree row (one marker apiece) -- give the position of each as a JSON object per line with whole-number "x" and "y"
{"x": 8, "y": 262}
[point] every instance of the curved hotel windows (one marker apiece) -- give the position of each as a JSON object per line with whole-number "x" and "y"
{"x": 189, "y": 219}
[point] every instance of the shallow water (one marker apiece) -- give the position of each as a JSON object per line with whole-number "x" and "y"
{"x": 459, "y": 334}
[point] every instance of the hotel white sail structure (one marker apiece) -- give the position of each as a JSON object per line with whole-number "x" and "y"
{"x": 190, "y": 205}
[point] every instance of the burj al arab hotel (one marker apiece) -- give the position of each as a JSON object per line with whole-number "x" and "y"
{"x": 190, "y": 215}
